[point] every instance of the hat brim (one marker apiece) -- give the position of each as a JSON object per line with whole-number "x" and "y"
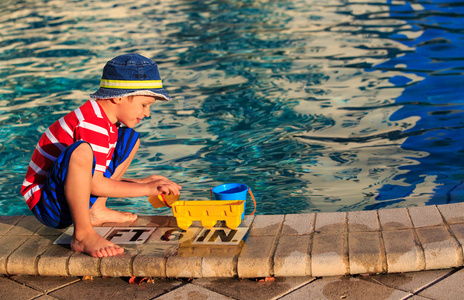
{"x": 106, "y": 93}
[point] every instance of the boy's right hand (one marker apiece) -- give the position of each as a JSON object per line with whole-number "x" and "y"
{"x": 163, "y": 186}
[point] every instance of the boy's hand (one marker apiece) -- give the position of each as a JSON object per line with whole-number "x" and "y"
{"x": 163, "y": 186}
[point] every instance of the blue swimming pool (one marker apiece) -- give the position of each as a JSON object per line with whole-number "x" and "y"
{"x": 316, "y": 105}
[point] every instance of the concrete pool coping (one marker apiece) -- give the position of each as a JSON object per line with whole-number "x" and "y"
{"x": 315, "y": 244}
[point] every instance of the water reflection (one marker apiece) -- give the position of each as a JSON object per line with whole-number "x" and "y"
{"x": 437, "y": 100}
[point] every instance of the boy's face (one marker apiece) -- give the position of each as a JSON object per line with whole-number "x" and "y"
{"x": 131, "y": 112}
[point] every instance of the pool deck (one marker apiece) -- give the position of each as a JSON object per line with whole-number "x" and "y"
{"x": 303, "y": 253}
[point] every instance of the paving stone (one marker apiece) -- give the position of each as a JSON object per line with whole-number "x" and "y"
{"x": 186, "y": 262}
{"x": 26, "y": 226}
{"x": 45, "y": 284}
{"x": 298, "y": 224}
{"x": 253, "y": 289}
{"x": 164, "y": 243}
{"x": 114, "y": 288}
{"x": 365, "y": 253}
{"x": 265, "y": 225}
{"x": 183, "y": 266}
{"x": 23, "y": 261}
{"x": 453, "y": 213}
{"x": 117, "y": 266}
{"x": 363, "y": 221}
{"x": 450, "y": 288}
{"x": 54, "y": 261}
{"x": 219, "y": 261}
{"x": 13, "y": 290}
{"x": 81, "y": 264}
{"x": 151, "y": 259}
{"x": 344, "y": 288}
{"x": 441, "y": 250}
{"x": 256, "y": 257}
{"x": 45, "y": 297}
{"x": 397, "y": 218}
{"x": 424, "y": 216}
{"x": 292, "y": 256}
{"x": 458, "y": 231}
{"x": 411, "y": 282}
{"x": 8, "y": 244}
{"x": 416, "y": 297}
{"x": 191, "y": 291}
{"x": 403, "y": 251}
{"x": 329, "y": 254}
{"x": 149, "y": 266}
{"x": 247, "y": 221}
{"x": 331, "y": 222}
{"x": 8, "y": 222}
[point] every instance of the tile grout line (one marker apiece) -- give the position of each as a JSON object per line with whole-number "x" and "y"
{"x": 310, "y": 246}
{"x": 382, "y": 244}
{"x": 297, "y": 288}
{"x": 9, "y": 255}
{"x": 426, "y": 286}
{"x": 453, "y": 235}
{"x": 347, "y": 246}
{"x": 276, "y": 242}
{"x": 417, "y": 241}
{"x": 131, "y": 264}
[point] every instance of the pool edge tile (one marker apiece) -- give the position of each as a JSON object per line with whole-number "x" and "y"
{"x": 255, "y": 259}
{"x": 292, "y": 256}
{"x": 403, "y": 251}
{"x": 329, "y": 254}
{"x": 366, "y": 253}
{"x": 54, "y": 261}
{"x": 441, "y": 249}
{"x": 311, "y": 244}
{"x": 25, "y": 258}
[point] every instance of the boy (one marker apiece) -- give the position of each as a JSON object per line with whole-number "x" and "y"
{"x": 80, "y": 160}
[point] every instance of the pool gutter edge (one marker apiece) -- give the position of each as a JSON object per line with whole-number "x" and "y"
{"x": 313, "y": 244}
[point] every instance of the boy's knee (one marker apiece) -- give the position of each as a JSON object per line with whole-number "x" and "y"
{"x": 82, "y": 155}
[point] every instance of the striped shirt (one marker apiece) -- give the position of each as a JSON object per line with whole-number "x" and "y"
{"x": 87, "y": 123}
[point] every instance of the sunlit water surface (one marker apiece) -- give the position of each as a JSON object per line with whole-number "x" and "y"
{"x": 316, "y": 105}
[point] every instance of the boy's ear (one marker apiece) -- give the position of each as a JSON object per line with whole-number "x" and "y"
{"x": 116, "y": 100}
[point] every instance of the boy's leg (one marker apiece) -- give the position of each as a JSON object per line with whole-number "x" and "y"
{"x": 77, "y": 190}
{"x": 128, "y": 144}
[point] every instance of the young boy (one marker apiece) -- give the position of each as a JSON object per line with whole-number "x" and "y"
{"x": 80, "y": 160}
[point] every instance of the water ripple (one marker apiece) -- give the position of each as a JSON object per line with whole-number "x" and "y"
{"x": 310, "y": 104}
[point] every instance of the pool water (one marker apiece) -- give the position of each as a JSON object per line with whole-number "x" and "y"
{"x": 316, "y": 105}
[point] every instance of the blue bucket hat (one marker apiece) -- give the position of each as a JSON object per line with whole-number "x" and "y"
{"x": 129, "y": 75}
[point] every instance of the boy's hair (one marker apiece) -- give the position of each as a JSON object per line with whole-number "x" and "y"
{"x": 130, "y": 75}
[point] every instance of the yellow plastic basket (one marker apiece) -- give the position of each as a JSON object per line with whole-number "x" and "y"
{"x": 209, "y": 212}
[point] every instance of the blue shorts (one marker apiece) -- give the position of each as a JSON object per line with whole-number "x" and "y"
{"x": 52, "y": 209}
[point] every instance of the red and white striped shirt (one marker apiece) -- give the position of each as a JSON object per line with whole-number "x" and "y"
{"x": 87, "y": 123}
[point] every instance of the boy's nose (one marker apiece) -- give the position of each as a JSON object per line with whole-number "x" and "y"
{"x": 147, "y": 112}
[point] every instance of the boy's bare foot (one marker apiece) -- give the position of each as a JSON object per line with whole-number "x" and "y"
{"x": 100, "y": 215}
{"x": 95, "y": 245}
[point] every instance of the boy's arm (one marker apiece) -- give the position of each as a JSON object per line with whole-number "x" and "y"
{"x": 107, "y": 187}
{"x": 146, "y": 179}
